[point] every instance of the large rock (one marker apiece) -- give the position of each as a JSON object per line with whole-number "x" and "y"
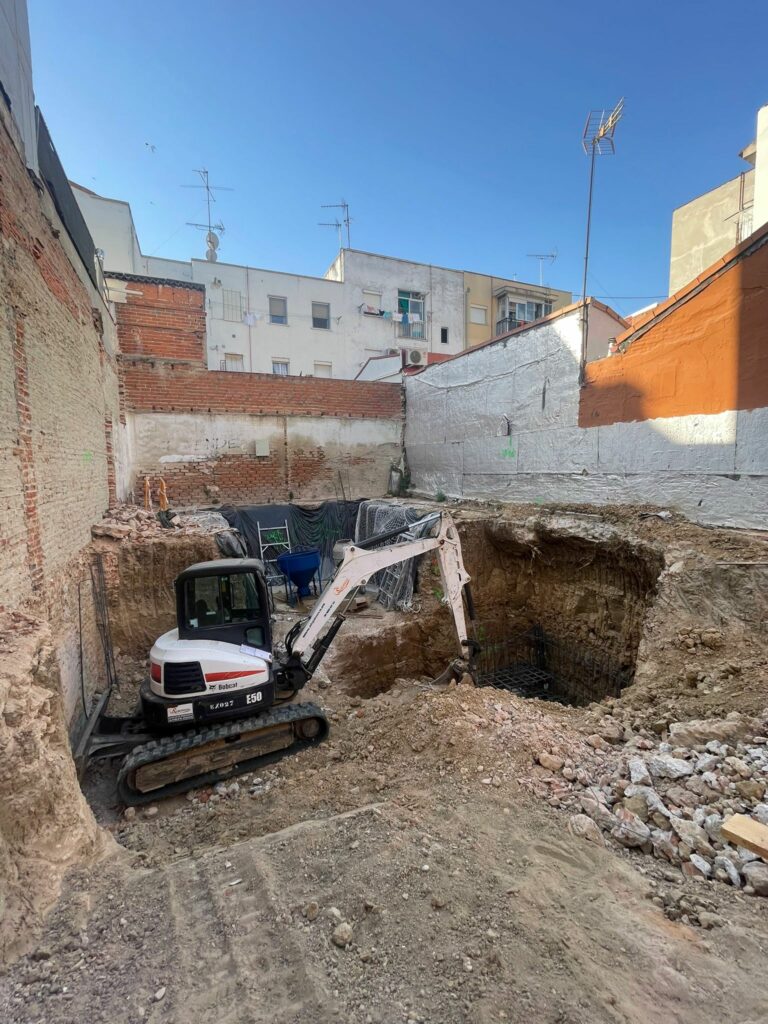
{"x": 726, "y": 869}
{"x": 638, "y": 772}
{"x": 663, "y": 847}
{"x": 692, "y": 835}
{"x": 582, "y": 826}
{"x": 551, "y": 762}
{"x": 664, "y": 766}
{"x": 629, "y": 830}
{"x": 701, "y": 731}
{"x": 597, "y": 811}
{"x": 756, "y": 874}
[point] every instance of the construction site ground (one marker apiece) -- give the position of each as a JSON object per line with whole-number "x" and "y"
{"x": 418, "y": 866}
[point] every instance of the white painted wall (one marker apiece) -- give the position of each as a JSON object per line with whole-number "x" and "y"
{"x": 760, "y": 209}
{"x": 16, "y": 74}
{"x": 712, "y": 468}
{"x": 111, "y": 225}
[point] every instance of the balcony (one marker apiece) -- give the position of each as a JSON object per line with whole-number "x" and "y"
{"x": 509, "y": 323}
{"x": 414, "y": 332}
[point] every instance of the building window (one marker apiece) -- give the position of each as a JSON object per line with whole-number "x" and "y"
{"x": 321, "y": 315}
{"x": 233, "y": 361}
{"x": 323, "y": 370}
{"x": 478, "y": 315}
{"x": 371, "y": 302}
{"x": 513, "y": 314}
{"x": 443, "y": 335}
{"x": 232, "y": 304}
{"x": 280, "y": 367}
{"x": 410, "y": 305}
{"x": 278, "y": 310}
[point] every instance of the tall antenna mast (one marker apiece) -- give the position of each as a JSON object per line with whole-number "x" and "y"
{"x": 541, "y": 257}
{"x": 332, "y": 224}
{"x": 347, "y": 220}
{"x": 596, "y": 140}
{"x": 212, "y": 239}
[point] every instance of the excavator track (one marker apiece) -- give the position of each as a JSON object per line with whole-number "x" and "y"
{"x": 174, "y": 764}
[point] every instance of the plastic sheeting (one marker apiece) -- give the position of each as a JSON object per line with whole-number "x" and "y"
{"x": 316, "y": 526}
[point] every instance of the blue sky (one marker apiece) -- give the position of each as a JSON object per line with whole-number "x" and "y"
{"x": 452, "y": 129}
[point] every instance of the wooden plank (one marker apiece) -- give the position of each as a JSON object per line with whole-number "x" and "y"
{"x": 746, "y": 832}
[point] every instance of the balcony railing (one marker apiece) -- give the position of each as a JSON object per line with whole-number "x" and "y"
{"x": 416, "y": 332}
{"x": 509, "y": 323}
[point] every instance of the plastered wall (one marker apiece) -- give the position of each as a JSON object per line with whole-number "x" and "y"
{"x": 503, "y": 422}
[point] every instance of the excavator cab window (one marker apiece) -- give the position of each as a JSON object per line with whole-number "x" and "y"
{"x": 219, "y": 600}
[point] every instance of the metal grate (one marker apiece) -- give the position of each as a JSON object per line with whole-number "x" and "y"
{"x": 534, "y": 664}
{"x": 183, "y": 677}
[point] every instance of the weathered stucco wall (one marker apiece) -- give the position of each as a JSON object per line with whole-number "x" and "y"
{"x": 503, "y": 423}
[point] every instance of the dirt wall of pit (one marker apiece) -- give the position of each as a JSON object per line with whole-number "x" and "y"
{"x": 582, "y": 583}
{"x": 139, "y": 576}
{"x": 46, "y": 825}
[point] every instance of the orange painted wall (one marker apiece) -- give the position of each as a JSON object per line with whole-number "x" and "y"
{"x": 707, "y": 356}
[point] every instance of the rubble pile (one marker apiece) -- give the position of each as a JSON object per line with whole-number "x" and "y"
{"x": 138, "y": 524}
{"x": 668, "y": 796}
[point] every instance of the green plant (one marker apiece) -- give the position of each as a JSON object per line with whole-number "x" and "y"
{"x": 440, "y": 496}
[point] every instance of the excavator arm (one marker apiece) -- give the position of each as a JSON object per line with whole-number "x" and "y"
{"x": 311, "y": 638}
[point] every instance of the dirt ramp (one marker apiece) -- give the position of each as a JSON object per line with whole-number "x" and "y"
{"x": 46, "y": 825}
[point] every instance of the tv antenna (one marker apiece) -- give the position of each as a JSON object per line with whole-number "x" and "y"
{"x": 211, "y": 238}
{"x": 332, "y": 224}
{"x": 597, "y": 139}
{"x": 346, "y": 220}
{"x": 542, "y": 257}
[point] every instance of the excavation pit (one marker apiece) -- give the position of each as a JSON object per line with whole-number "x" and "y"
{"x": 561, "y": 607}
{"x": 534, "y": 664}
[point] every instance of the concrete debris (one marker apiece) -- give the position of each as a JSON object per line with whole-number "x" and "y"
{"x": 665, "y": 766}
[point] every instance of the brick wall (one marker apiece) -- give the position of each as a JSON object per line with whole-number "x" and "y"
{"x": 173, "y": 387}
{"x": 161, "y": 318}
{"x": 58, "y": 401}
{"x": 197, "y": 428}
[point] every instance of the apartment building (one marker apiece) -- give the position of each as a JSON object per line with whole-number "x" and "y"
{"x": 710, "y": 225}
{"x": 367, "y": 314}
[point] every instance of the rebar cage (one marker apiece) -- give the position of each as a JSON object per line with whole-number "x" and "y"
{"x": 535, "y": 664}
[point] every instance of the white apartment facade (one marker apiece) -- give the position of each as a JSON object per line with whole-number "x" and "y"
{"x": 369, "y": 315}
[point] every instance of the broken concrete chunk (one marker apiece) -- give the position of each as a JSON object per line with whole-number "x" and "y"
{"x": 629, "y": 829}
{"x": 638, "y": 771}
{"x": 756, "y": 875}
{"x": 665, "y": 766}
{"x": 550, "y": 761}
{"x": 703, "y": 731}
{"x": 692, "y": 835}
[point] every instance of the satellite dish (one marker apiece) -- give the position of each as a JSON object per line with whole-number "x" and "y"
{"x": 213, "y": 240}
{"x": 211, "y": 256}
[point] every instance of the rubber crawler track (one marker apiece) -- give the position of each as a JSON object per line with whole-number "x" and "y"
{"x": 158, "y": 750}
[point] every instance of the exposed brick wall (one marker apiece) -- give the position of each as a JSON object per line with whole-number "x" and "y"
{"x": 58, "y": 397}
{"x": 162, "y": 320}
{"x": 169, "y": 387}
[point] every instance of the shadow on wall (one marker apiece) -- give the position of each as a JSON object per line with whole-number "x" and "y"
{"x": 696, "y": 373}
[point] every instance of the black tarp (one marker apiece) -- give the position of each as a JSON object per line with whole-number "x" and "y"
{"x": 313, "y": 526}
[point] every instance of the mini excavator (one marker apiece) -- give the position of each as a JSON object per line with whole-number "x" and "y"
{"x": 219, "y": 699}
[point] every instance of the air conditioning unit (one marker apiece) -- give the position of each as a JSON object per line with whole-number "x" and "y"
{"x": 416, "y": 358}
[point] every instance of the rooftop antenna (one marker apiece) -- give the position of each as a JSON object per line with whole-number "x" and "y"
{"x": 541, "y": 257}
{"x": 332, "y": 224}
{"x": 596, "y": 140}
{"x": 346, "y": 221}
{"x": 211, "y": 238}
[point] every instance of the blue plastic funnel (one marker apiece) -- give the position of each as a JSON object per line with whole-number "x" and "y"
{"x": 300, "y": 567}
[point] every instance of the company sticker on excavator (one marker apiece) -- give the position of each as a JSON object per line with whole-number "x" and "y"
{"x": 181, "y": 713}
